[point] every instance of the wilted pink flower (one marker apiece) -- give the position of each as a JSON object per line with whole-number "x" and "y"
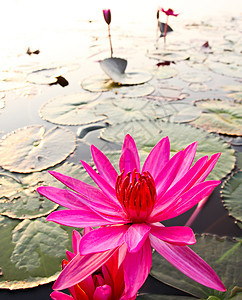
{"x": 107, "y": 15}
{"x": 130, "y": 206}
{"x": 105, "y": 283}
{"x": 169, "y": 12}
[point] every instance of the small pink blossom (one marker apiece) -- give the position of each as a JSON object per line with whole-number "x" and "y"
{"x": 107, "y": 282}
{"x": 169, "y": 12}
{"x": 129, "y": 207}
{"x": 107, "y": 15}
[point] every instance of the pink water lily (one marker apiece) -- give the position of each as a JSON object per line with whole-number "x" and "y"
{"x": 107, "y": 18}
{"x": 103, "y": 284}
{"x": 169, "y": 12}
{"x": 130, "y": 206}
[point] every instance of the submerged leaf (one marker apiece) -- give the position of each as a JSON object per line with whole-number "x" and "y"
{"x": 31, "y": 149}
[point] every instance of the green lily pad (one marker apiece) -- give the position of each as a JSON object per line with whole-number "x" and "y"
{"x": 12, "y": 80}
{"x": 19, "y": 198}
{"x": 30, "y": 149}
{"x": 220, "y": 116}
{"x": 239, "y": 159}
{"x": 31, "y": 252}
{"x": 162, "y": 297}
{"x": 231, "y": 194}
{"x": 236, "y": 91}
{"x": 148, "y": 133}
{"x": 134, "y": 91}
{"x": 222, "y": 254}
{"x": 226, "y": 69}
{"x": 195, "y": 76}
{"x": 74, "y": 109}
{"x": 164, "y": 72}
{"x": 46, "y": 75}
{"x": 126, "y": 110}
{"x": 98, "y": 83}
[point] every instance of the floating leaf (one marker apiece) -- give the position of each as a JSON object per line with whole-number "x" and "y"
{"x": 168, "y": 93}
{"x": 134, "y": 91}
{"x": 220, "y": 116}
{"x": 195, "y": 76}
{"x": 225, "y": 69}
{"x": 198, "y": 87}
{"x": 31, "y": 149}
{"x": 148, "y": 133}
{"x": 168, "y": 55}
{"x": 46, "y": 76}
{"x": 239, "y": 159}
{"x": 164, "y": 72}
{"x": 31, "y": 252}
{"x": 74, "y": 109}
{"x": 222, "y": 254}
{"x": 231, "y": 194}
{"x": 98, "y": 83}
{"x": 11, "y": 80}
{"x": 19, "y": 198}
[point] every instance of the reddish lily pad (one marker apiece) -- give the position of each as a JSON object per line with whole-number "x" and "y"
{"x": 220, "y": 116}
{"x": 148, "y": 133}
{"x": 231, "y": 194}
{"x": 74, "y": 109}
{"x": 31, "y": 149}
{"x": 220, "y": 253}
{"x": 31, "y": 252}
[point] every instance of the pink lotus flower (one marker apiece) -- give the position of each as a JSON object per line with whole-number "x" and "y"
{"x": 105, "y": 283}
{"x": 169, "y": 12}
{"x": 130, "y": 206}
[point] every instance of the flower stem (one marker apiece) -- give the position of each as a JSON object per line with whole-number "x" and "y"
{"x": 165, "y": 30}
{"x": 197, "y": 211}
{"x": 109, "y": 36}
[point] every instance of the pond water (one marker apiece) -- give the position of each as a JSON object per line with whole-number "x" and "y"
{"x": 66, "y": 41}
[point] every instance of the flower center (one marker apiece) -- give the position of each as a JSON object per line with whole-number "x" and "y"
{"x": 137, "y": 194}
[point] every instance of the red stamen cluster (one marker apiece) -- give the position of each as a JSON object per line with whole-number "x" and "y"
{"x": 137, "y": 194}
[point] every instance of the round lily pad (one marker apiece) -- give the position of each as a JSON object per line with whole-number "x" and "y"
{"x": 2, "y": 100}
{"x": 134, "y": 91}
{"x": 11, "y": 80}
{"x": 164, "y": 72}
{"x": 74, "y": 109}
{"x": 148, "y": 133}
{"x": 220, "y": 116}
{"x": 19, "y": 198}
{"x": 231, "y": 194}
{"x": 168, "y": 93}
{"x": 169, "y": 55}
{"x": 222, "y": 254}
{"x": 46, "y": 75}
{"x": 198, "y": 87}
{"x": 31, "y": 252}
{"x": 195, "y": 76}
{"x": 126, "y": 110}
{"x": 30, "y": 149}
{"x": 226, "y": 69}
{"x": 98, "y": 83}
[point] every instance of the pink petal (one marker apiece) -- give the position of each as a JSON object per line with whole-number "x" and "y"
{"x": 71, "y": 200}
{"x": 136, "y": 235}
{"x": 177, "y": 235}
{"x": 189, "y": 154}
{"x": 104, "y": 167}
{"x": 158, "y": 157}
{"x": 102, "y": 239}
{"x": 80, "y": 267}
{"x": 76, "y": 238}
{"x": 189, "y": 263}
{"x": 102, "y": 293}
{"x": 70, "y": 255}
{"x": 86, "y": 190}
{"x": 80, "y": 218}
{"x": 136, "y": 269}
{"x": 168, "y": 174}
{"x": 209, "y": 166}
{"x": 60, "y": 296}
{"x": 129, "y": 159}
{"x": 103, "y": 185}
{"x": 193, "y": 196}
